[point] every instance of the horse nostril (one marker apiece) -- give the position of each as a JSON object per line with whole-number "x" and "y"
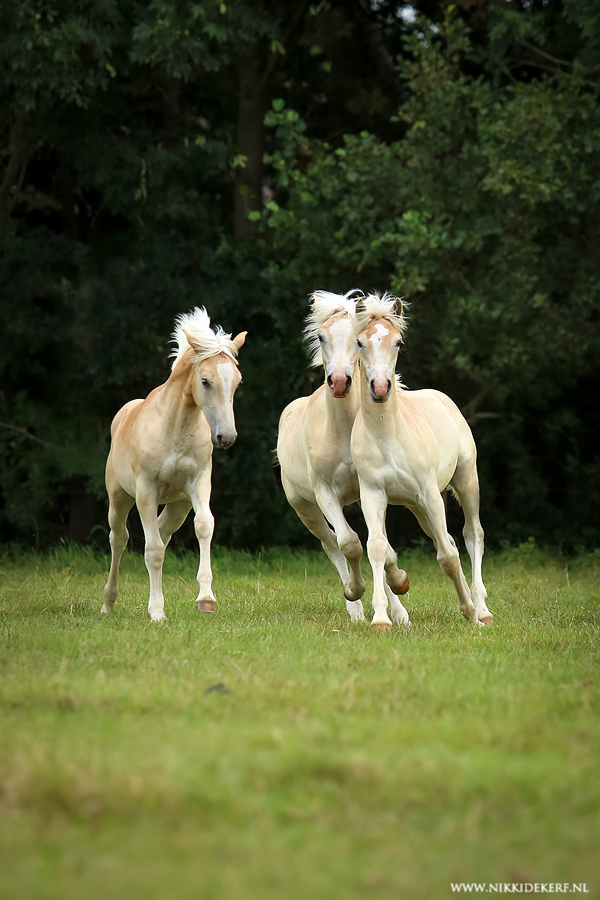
{"x": 329, "y": 381}
{"x": 389, "y": 385}
{"x": 348, "y": 383}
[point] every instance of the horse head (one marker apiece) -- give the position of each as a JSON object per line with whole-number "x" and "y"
{"x": 330, "y": 335}
{"x": 214, "y": 374}
{"x": 379, "y": 324}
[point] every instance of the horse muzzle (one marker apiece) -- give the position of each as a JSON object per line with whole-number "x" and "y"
{"x": 380, "y": 389}
{"x": 339, "y": 385}
{"x": 223, "y": 440}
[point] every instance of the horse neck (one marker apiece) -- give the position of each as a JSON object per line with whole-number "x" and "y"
{"x": 179, "y": 406}
{"x": 341, "y": 411}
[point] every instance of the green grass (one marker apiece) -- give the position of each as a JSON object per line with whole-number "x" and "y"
{"x": 342, "y": 764}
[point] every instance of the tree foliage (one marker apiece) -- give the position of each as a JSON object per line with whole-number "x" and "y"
{"x": 451, "y": 159}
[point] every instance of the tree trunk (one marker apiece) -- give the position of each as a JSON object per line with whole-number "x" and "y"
{"x": 250, "y": 140}
{"x": 11, "y": 174}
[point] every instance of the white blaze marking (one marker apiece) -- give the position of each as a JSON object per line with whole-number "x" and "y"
{"x": 340, "y": 328}
{"x": 339, "y": 332}
{"x": 225, "y": 371}
{"x": 377, "y": 338}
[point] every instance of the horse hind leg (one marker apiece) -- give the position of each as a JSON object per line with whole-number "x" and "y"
{"x": 432, "y": 519}
{"x": 466, "y": 487}
{"x": 120, "y": 502}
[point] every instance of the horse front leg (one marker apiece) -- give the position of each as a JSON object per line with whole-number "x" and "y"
{"x": 311, "y": 516}
{"x": 204, "y": 525}
{"x": 154, "y": 550}
{"x": 399, "y": 612}
{"x": 396, "y": 577}
{"x": 172, "y": 518}
{"x": 396, "y": 583}
{"x": 374, "y": 506}
{"x": 349, "y": 546}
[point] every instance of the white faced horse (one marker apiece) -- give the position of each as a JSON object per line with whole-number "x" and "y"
{"x": 313, "y": 449}
{"x": 407, "y": 447}
{"x": 161, "y": 452}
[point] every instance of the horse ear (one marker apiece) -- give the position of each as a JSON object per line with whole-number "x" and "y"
{"x": 191, "y": 341}
{"x": 398, "y": 306}
{"x": 239, "y": 339}
{"x": 360, "y": 306}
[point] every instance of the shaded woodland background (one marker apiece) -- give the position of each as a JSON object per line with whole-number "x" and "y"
{"x": 241, "y": 154}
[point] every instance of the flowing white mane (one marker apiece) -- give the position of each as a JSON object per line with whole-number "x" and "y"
{"x": 324, "y": 305}
{"x": 376, "y": 307}
{"x": 210, "y": 341}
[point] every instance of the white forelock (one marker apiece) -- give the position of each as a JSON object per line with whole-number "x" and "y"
{"x": 325, "y": 305}
{"x": 211, "y": 341}
{"x": 376, "y": 307}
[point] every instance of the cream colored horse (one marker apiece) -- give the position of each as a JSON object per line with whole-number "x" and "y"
{"x": 313, "y": 449}
{"x": 408, "y": 446}
{"x": 161, "y": 452}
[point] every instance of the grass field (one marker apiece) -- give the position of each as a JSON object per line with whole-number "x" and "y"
{"x": 341, "y": 764}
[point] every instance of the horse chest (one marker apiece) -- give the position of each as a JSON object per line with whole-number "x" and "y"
{"x": 337, "y": 470}
{"x": 177, "y": 470}
{"x": 401, "y": 485}
{"x": 346, "y": 483}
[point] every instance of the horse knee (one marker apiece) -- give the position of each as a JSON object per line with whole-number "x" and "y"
{"x": 204, "y": 526}
{"x": 449, "y": 561}
{"x": 473, "y": 533}
{"x": 377, "y": 548}
{"x": 351, "y": 547}
{"x": 154, "y": 555}
{"x": 118, "y": 540}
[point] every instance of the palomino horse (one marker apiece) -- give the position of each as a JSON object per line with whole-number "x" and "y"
{"x": 313, "y": 449}
{"x": 407, "y": 447}
{"x": 161, "y": 452}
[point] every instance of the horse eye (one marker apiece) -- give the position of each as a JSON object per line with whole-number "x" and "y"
{"x": 322, "y": 338}
{"x": 360, "y": 345}
{"x": 205, "y": 382}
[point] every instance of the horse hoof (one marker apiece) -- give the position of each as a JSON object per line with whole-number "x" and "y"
{"x": 381, "y": 627}
{"x": 403, "y": 589}
{"x": 486, "y": 619}
{"x": 358, "y": 617}
{"x": 206, "y": 605}
{"x": 106, "y": 609}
